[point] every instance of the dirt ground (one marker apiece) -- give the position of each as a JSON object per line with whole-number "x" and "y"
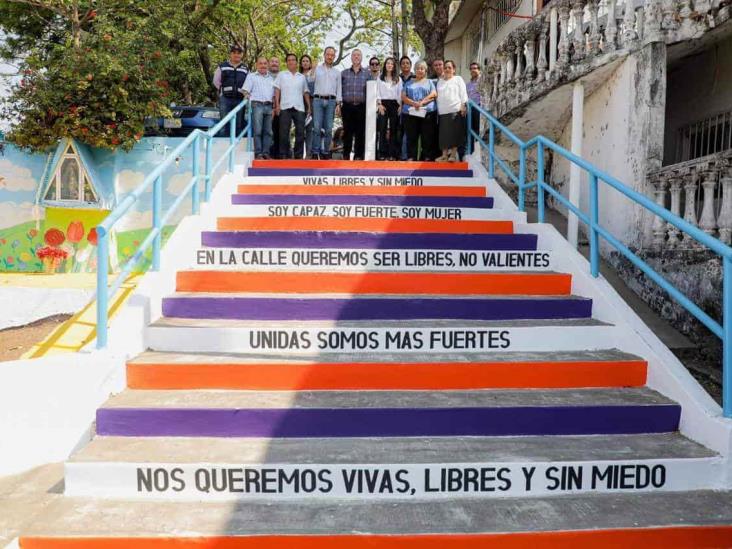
{"x": 14, "y": 342}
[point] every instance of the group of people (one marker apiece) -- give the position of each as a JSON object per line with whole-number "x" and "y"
{"x": 418, "y": 118}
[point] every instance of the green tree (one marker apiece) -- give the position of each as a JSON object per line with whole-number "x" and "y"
{"x": 432, "y": 30}
{"x": 97, "y": 85}
{"x": 143, "y": 56}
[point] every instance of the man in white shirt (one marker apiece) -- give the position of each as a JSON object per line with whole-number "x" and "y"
{"x": 292, "y": 102}
{"x": 326, "y": 100}
{"x": 259, "y": 88}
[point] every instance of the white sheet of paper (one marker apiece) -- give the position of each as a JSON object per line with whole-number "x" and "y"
{"x": 417, "y": 112}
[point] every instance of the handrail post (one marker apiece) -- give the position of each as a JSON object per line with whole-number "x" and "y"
{"x": 594, "y": 222}
{"x": 491, "y": 149}
{"x": 207, "y": 167}
{"x": 102, "y": 286}
{"x": 522, "y": 179}
{"x": 250, "y": 144}
{"x": 540, "y": 181}
{"x": 469, "y": 144}
{"x": 196, "y": 198}
{"x": 232, "y": 142}
{"x": 727, "y": 340}
{"x": 157, "y": 217}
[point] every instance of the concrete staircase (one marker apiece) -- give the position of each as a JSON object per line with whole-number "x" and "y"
{"x": 385, "y": 355}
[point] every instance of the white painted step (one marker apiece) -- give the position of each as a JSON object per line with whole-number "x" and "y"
{"x": 404, "y": 468}
{"x": 396, "y": 212}
{"x": 363, "y": 181}
{"x": 363, "y": 260}
{"x": 307, "y": 338}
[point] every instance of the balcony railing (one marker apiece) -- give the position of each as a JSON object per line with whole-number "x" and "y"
{"x": 698, "y": 190}
{"x": 570, "y": 38}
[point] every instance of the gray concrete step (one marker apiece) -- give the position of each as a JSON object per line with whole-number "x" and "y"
{"x": 159, "y": 357}
{"x": 388, "y": 450}
{"x": 88, "y": 518}
{"x": 632, "y": 396}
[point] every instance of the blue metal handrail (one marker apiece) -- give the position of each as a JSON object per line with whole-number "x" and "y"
{"x": 596, "y": 231}
{"x": 155, "y": 178}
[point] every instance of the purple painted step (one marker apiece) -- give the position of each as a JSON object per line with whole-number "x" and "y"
{"x": 368, "y": 308}
{"x": 337, "y": 200}
{"x": 315, "y": 172}
{"x": 389, "y": 422}
{"x": 368, "y": 241}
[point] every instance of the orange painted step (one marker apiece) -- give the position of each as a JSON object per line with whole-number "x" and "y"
{"x": 389, "y": 376}
{"x": 376, "y": 190}
{"x": 681, "y": 537}
{"x": 366, "y": 225}
{"x": 357, "y": 165}
{"x": 376, "y": 283}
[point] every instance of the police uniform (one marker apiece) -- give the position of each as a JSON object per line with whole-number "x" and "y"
{"x": 232, "y": 80}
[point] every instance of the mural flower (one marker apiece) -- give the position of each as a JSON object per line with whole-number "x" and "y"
{"x": 54, "y": 237}
{"x": 15, "y": 244}
{"x": 25, "y": 257}
{"x": 52, "y": 257}
{"x": 32, "y": 234}
{"x": 75, "y": 232}
{"x": 10, "y": 260}
{"x": 92, "y": 236}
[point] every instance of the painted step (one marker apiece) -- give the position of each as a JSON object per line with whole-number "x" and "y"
{"x": 387, "y": 468}
{"x": 364, "y": 200}
{"x": 296, "y": 209}
{"x": 325, "y": 190}
{"x": 375, "y": 172}
{"x": 308, "y": 338}
{"x": 364, "y": 308}
{"x": 359, "y": 164}
{"x": 362, "y": 225}
{"x": 517, "y": 283}
{"x": 679, "y": 520}
{"x": 374, "y": 260}
{"x": 315, "y": 414}
{"x": 383, "y": 372}
{"x": 366, "y": 240}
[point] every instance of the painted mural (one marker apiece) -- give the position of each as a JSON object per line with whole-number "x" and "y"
{"x": 51, "y": 203}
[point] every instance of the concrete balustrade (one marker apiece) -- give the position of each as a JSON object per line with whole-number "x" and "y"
{"x": 706, "y": 186}
{"x": 568, "y": 39}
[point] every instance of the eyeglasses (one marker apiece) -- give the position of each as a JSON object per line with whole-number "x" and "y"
{"x": 374, "y": 64}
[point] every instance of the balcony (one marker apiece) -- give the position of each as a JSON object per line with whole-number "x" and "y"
{"x": 585, "y": 39}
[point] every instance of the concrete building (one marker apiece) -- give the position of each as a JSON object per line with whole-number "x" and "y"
{"x": 647, "y": 86}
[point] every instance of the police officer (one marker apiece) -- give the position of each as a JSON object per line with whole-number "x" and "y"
{"x": 229, "y": 79}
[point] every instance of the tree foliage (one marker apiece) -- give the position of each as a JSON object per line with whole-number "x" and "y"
{"x": 95, "y": 69}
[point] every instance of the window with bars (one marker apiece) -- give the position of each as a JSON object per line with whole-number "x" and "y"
{"x": 496, "y": 17}
{"x": 704, "y": 137}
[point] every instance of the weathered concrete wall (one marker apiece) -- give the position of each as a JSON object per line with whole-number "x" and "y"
{"x": 698, "y": 86}
{"x": 623, "y": 136}
{"x": 697, "y": 274}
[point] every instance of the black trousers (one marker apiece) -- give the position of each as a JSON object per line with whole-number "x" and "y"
{"x": 436, "y": 151}
{"x": 274, "y": 150}
{"x": 421, "y": 129}
{"x": 387, "y": 126}
{"x": 288, "y": 117}
{"x": 354, "y": 127}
